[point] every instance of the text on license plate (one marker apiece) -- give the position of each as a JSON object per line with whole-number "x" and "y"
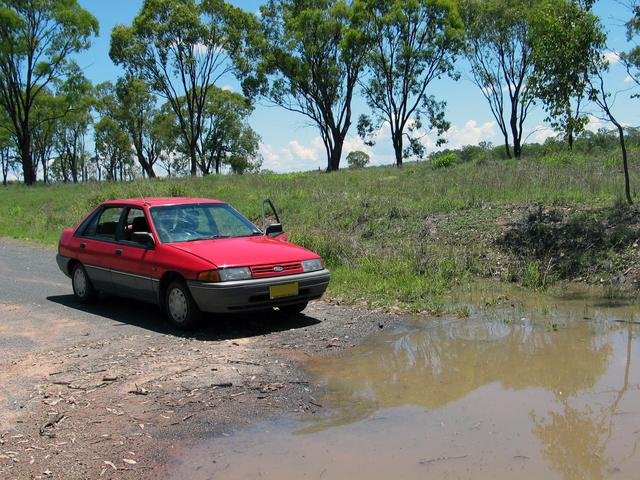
{"x": 280, "y": 291}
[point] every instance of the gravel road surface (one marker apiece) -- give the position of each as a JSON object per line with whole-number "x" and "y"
{"x": 105, "y": 391}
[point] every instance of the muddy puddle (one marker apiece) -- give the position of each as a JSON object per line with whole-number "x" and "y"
{"x": 528, "y": 387}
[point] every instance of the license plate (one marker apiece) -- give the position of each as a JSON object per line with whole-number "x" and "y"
{"x": 286, "y": 290}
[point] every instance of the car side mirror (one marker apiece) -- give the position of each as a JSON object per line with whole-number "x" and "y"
{"x": 144, "y": 238}
{"x": 274, "y": 230}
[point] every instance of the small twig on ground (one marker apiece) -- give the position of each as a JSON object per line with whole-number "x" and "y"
{"x": 441, "y": 459}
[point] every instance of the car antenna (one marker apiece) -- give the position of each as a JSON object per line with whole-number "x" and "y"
{"x": 144, "y": 202}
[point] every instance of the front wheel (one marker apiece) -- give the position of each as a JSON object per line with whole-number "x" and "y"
{"x": 293, "y": 309}
{"x": 182, "y": 311}
{"x": 82, "y": 287}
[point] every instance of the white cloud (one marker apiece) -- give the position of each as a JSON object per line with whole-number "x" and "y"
{"x": 295, "y": 157}
{"x": 228, "y": 88}
{"x": 297, "y": 151}
{"x": 470, "y": 134}
{"x": 628, "y": 79}
{"x": 611, "y": 57}
{"x": 596, "y": 123}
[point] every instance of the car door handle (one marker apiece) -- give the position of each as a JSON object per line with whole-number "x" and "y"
{"x": 83, "y": 245}
{"x": 118, "y": 251}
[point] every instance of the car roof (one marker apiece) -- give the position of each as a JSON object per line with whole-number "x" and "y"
{"x": 161, "y": 201}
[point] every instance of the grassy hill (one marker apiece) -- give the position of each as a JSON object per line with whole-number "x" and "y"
{"x": 404, "y": 237}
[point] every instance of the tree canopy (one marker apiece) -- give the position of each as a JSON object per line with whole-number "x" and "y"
{"x": 413, "y": 43}
{"x": 307, "y": 57}
{"x": 37, "y": 38}
{"x": 500, "y": 53}
{"x": 181, "y": 48}
{"x": 566, "y": 40}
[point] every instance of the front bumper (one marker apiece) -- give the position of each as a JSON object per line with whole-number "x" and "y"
{"x": 254, "y": 294}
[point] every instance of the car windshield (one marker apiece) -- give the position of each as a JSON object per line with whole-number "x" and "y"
{"x": 201, "y": 221}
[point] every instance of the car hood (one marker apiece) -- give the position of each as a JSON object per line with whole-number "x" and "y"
{"x": 245, "y": 251}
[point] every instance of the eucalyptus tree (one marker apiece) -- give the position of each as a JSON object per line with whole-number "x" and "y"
{"x": 631, "y": 59}
{"x": 181, "y": 48}
{"x": 501, "y": 56}
{"x": 605, "y": 99}
{"x": 358, "y": 159}
{"x": 113, "y": 148}
{"x": 132, "y": 105}
{"x": 566, "y": 39}
{"x": 227, "y": 137}
{"x": 166, "y": 130}
{"x": 414, "y": 42}
{"x": 37, "y": 38}
{"x": 306, "y": 57}
{"x": 45, "y": 118}
{"x": 7, "y": 147}
{"x": 225, "y": 132}
{"x": 75, "y": 97}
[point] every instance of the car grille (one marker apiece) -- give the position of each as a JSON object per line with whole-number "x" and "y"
{"x": 264, "y": 271}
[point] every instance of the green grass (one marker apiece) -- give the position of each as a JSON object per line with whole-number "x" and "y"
{"x": 391, "y": 236}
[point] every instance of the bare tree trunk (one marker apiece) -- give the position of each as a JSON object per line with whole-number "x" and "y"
{"x": 625, "y": 163}
{"x": 507, "y": 147}
{"x": 335, "y": 154}
{"x": 194, "y": 160}
{"x": 26, "y": 158}
{"x": 397, "y": 147}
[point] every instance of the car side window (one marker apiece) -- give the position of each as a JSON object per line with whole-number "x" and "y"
{"x": 89, "y": 230}
{"x": 135, "y": 221}
{"x": 107, "y": 224}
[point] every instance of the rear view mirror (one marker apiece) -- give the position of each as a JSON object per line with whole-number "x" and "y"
{"x": 144, "y": 238}
{"x": 274, "y": 230}
{"x": 270, "y": 219}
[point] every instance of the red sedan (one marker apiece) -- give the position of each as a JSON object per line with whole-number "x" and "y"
{"x": 188, "y": 255}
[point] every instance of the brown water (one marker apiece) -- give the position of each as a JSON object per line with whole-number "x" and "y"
{"x": 529, "y": 387}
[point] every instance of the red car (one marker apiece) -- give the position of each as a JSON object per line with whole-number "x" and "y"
{"x": 188, "y": 255}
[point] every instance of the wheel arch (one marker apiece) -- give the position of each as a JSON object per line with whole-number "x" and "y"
{"x": 71, "y": 265}
{"x": 165, "y": 280}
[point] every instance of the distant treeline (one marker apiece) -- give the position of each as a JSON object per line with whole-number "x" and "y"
{"x": 312, "y": 57}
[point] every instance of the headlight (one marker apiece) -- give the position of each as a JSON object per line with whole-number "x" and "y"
{"x": 230, "y": 274}
{"x": 225, "y": 275}
{"x": 312, "y": 265}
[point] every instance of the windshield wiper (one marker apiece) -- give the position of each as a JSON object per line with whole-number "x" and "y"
{"x": 211, "y": 237}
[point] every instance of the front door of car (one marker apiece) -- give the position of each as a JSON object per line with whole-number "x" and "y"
{"x": 97, "y": 245}
{"x": 131, "y": 264}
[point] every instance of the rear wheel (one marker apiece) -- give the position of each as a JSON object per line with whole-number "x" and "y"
{"x": 293, "y": 309}
{"x": 182, "y": 311}
{"x": 82, "y": 287}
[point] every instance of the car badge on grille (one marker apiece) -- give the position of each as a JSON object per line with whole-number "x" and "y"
{"x": 278, "y": 268}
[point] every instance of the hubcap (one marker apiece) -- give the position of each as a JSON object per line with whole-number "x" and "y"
{"x": 177, "y": 305}
{"x": 80, "y": 282}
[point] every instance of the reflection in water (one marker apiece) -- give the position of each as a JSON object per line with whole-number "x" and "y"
{"x": 575, "y": 441}
{"x": 528, "y": 387}
{"x": 430, "y": 368}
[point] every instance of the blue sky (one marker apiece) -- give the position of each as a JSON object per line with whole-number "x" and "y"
{"x": 290, "y": 144}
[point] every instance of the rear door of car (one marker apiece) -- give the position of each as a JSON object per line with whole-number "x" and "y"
{"x": 131, "y": 267}
{"x": 98, "y": 245}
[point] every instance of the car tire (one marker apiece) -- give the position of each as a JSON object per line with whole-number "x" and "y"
{"x": 181, "y": 310}
{"x": 82, "y": 286}
{"x": 293, "y": 309}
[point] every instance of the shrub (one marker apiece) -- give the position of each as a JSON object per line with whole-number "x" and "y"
{"x": 443, "y": 159}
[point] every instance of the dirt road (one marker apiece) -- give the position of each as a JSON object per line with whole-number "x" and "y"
{"x": 104, "y": 391}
